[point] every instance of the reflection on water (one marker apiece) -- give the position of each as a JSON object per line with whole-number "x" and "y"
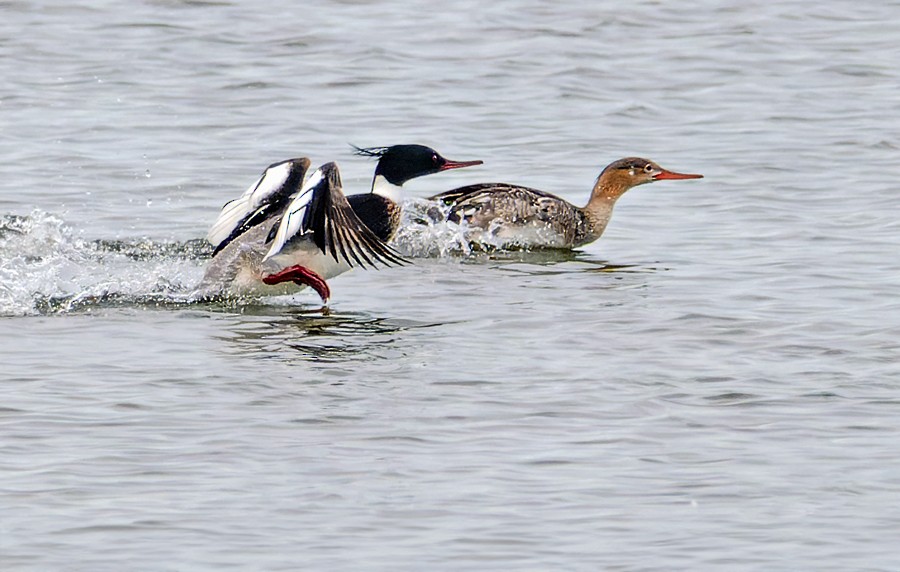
{"x": 581, "y": 261}
{"x": 543, "y": 257}
{"x": 316, "y": 335}
{"x": 550, "y": 262}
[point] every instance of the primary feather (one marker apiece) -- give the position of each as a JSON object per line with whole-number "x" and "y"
{"x": 320, "y": 213}
{"x": 263, "y": 199}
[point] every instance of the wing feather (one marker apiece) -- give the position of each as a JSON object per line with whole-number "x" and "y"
{"x": 321, "y": 213}
{"x": 265, "y": 198}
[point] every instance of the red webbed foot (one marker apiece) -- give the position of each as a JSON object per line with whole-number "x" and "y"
{"x": 301, "y": 276}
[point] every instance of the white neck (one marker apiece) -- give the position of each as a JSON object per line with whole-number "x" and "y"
{"x": 388, "y": 190}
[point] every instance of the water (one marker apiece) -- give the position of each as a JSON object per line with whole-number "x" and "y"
{"x": 712, "y": 385}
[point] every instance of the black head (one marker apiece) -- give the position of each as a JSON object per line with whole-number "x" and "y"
{"x": 400, "y": 163}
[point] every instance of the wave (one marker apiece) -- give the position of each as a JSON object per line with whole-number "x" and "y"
{"x": 46, "y": 267}
{"x": 425, "y": 232}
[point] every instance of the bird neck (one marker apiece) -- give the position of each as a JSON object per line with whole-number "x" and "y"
{"x": 381, "y": 186}
{"x": 599, "y": 209}
{"x": 610, "y": 185}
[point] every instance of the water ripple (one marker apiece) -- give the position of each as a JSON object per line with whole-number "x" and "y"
{"x": 722, "y": 364}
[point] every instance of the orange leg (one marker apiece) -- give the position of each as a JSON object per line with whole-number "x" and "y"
{"x": 301, "y": 276}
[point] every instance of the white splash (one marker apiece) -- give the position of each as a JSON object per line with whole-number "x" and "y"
{"x": 425, "y": 231}
{"x": 44, "y": 265}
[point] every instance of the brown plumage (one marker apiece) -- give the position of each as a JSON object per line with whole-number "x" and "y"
{"x": 515, "y": 216}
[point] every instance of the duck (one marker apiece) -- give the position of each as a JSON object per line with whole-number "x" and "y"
{"x": 501, "y": 215}
{"x": 287, "y": 231}
{"x": 380, "y": 209}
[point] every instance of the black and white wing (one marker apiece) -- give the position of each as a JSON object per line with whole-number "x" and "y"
{"x": 320, "y": 212}
{"x": 265, "y": 198}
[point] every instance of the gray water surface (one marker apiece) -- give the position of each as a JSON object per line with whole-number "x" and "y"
{"x": 713, "y": 385}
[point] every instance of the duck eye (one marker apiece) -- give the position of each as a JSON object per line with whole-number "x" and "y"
{"x": 648, "y": 168}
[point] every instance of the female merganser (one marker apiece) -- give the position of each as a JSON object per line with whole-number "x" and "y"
{"x": 514, "y": 216}
{"x": 276, "y": 221}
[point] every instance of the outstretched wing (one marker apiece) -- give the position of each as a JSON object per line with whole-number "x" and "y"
{"x": 321, "y": 213}
{"x": 265, "y": 198}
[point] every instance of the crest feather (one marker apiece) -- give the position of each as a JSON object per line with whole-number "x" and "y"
{"x": 369, "y": 151}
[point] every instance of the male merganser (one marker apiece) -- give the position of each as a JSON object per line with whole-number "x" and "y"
{"x": 261, "y": 229}
{"x": 380, "y": 208}
{"x": 522, "y": 217}
{"x": 307, "y": 235}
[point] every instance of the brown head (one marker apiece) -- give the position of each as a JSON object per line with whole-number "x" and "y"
{"x": 621, "y": 175}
